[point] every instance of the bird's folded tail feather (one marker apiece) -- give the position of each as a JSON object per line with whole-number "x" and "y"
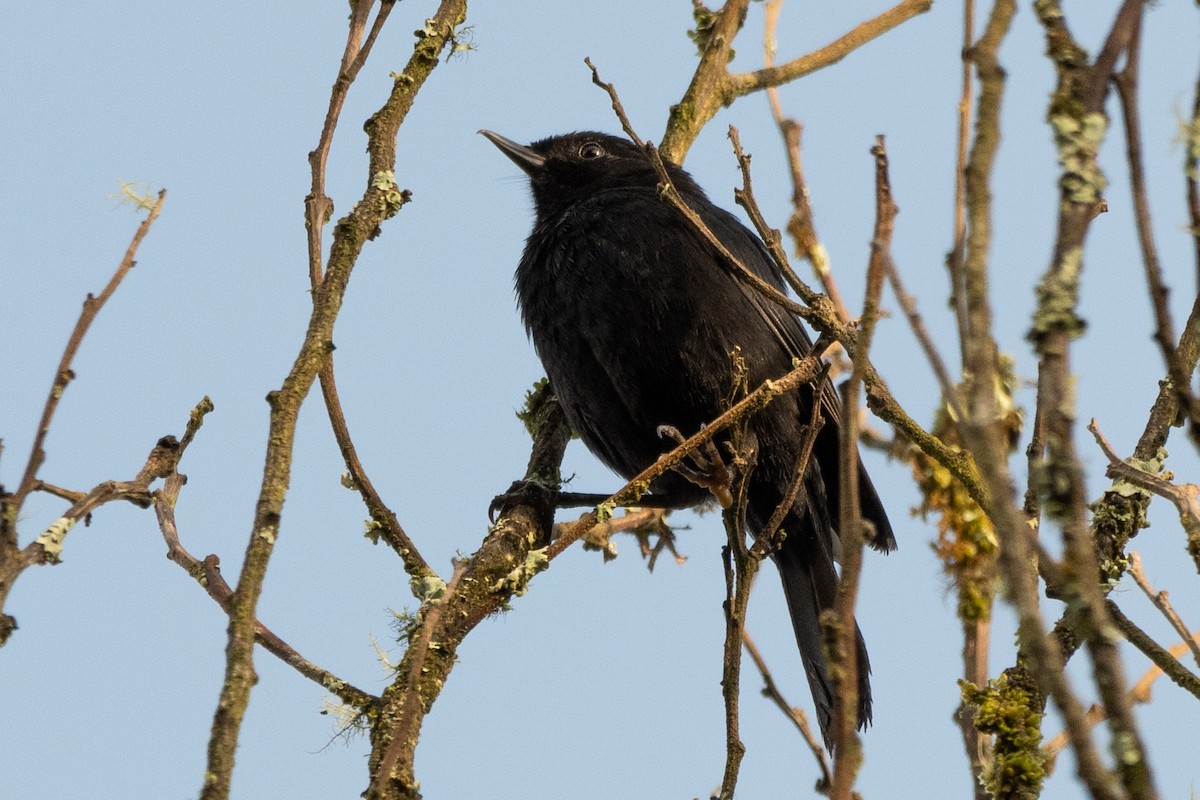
{"x": 810, "y": 587}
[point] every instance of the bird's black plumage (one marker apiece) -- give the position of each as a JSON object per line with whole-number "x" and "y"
{"x": 634, "y": 318}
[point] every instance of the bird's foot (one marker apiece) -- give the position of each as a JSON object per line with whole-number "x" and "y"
{"x": 541, "y": 498}
{"x": 707, "y": 469}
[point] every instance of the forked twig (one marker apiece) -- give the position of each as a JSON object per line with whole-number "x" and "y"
{"x": 14, "y": 560}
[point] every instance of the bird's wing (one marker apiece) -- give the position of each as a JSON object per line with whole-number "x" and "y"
{"x": 750, "y": 250}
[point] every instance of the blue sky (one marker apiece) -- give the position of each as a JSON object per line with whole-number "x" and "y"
{"x": 603, "y": 680}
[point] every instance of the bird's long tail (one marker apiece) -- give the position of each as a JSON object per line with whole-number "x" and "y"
{"x": 810, "y": 586}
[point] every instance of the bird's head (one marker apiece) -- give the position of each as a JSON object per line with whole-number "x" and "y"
{"x": 565, "y": 169}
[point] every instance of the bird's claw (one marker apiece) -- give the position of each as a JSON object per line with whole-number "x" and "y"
{"x": 709, "y": 470}
{"x": 538, "y": 496}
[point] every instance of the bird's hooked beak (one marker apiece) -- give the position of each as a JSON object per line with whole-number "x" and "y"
{"x": 528, "y": 160}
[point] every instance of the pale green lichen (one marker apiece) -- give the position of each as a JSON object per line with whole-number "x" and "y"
{"x": 347, "y": 480}
{"x": 1189, "y": 134}
{"x": 517, "y": 581}
{"x": 536, "y": 399}
{"x": 51, "y": 540}
{"x": 428, "y": 589}
{"x": 392, "y": 198}
{"x": 1154, "y": 465}
{"x": 406, "y": 625}
{"x": 268, "y": 533}
{"x": 1047, "y": 10}
{"x": 1066, "y": 403}
{"x": 1151, "y": 466}
{"x": 820, "y": 259}
{"x": 462, "y": 40}
{"x": 1124, "y": 747}
{"x": 705, "y": 20}
{"x": 136, "y": 193}
{"x": 604, "y": 511}
{"x": 371, "y": 530}
{"x": 1078, "y": 140}
{"x": 1058, "y": 294}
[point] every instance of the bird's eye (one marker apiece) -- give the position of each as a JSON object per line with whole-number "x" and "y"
{"x": 590, "y": 150}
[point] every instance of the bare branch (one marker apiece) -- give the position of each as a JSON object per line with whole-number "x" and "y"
{"x": 843, "y": 658}
{"x": 1140, "y": 693}
{"x": 831, "y": 53}
{"x": 713, "y": 86}
{"x": 1162, "y": 658}
{"x": 1162, "y": 602}
{"x": 14, "y": 560}
{"x": 207, "y": 573}
{"x": 801, "y": 224}
{"x": 796, "y": 715}
{"x": 909, "y": 305}
{"x": 318, "y": 208}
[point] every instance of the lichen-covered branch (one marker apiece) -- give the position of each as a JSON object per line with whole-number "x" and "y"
{"x": 1077, "y": 119}
{"x": 381, "y": 200}
{"x": 483, "y": 584}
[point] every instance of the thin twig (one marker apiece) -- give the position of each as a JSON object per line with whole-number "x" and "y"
{"x": 766, "y": 542}
{"x": 1171, "y": 666}
{"x": 843, "y": 657}
{"x": 63, "y": 375}
{"x": 1162, "y": 602}
{"x": 208, "y": 574}
{"x": 796, "y": 715}
{"x": 318, "y": 208}
{"x": 1126, "y": 82}
{"x": 957, "y": 254}
{"x": 14, "y": 560}
{"x": 801, "y": 225}
{"x": 741, "y": 566}
{"x": 386, "y": 524}
{"x": 714, "y": 87}
{"x": 805, "y": 371}
{"x": 641, "y": 522}
{"x": 909, "y": 305}
{"x": 1139, "y": 694}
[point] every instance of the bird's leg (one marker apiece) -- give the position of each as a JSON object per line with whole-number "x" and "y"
{"x": 709, "y": 470}
{"x": 542, "y": 498}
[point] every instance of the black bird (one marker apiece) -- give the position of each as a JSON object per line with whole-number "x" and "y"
{"x": 634, "y": 318}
